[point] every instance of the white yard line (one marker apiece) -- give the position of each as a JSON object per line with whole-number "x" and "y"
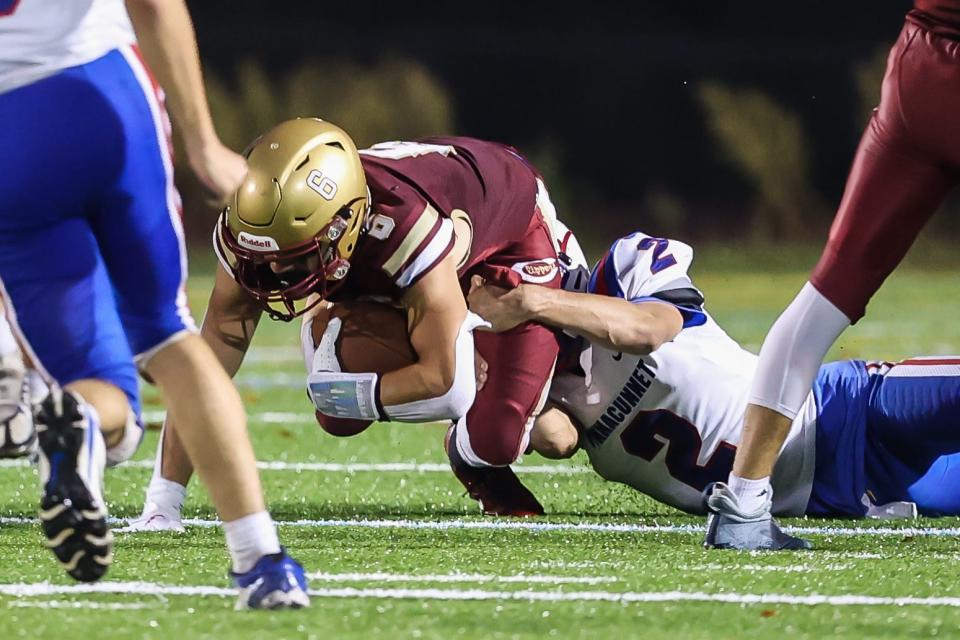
{"x": 80, "y": 604}
{"x": 268, "y": 417}
{"x": 790, "y": 568}
{"x": 531, "y": 525}
{"x": 355, "y": 467}
{"x": 147, "y": 588}
{"x": 273, "y": 354}
{"x": 276, "y": 380}
{"x": 459, "y": 577}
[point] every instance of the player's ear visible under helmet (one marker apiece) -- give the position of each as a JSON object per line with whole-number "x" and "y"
{"x": 292, "y": 225}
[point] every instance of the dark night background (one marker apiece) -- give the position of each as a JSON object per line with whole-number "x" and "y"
{"x": 606, "y": 90}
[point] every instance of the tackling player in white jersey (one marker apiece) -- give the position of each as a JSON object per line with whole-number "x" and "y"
{"x": 655, "y": 394}
{"x": 93, "y": 261}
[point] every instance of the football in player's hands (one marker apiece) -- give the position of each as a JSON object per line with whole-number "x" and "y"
{"x": 373, "y": 338}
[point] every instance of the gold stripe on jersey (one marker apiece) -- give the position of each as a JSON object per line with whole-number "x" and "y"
{"x": 414, "y": 238}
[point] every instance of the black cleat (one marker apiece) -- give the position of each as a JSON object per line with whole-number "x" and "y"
{"x": 72, "y": 514}
{"x": 497, "y": 489}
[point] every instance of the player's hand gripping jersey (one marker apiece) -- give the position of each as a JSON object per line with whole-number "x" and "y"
{"x": 668, "y": 423}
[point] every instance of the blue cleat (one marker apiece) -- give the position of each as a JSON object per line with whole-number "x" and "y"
{"x": 276, "y": 582}
{"x": 730, "y": 528}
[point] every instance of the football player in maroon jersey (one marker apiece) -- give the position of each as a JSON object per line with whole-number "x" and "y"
{"x": 907, "y": 162}
{"x": 410, "y": 222}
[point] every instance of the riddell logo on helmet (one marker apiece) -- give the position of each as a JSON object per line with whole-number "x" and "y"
{"x": 537, "y": 271}
{"x": 257, "y": 243}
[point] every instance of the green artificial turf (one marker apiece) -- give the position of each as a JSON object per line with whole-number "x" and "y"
{"x": 431, "y": 573}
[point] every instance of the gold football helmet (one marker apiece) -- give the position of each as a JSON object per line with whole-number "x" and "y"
{"x": 291, "y": 226}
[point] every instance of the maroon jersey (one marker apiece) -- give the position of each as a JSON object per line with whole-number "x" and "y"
{"x": 482, "y": 202}
{"x": 433, "y": 196}
{"x": 939, "y": 16}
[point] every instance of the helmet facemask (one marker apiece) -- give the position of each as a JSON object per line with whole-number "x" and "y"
{"x": 282, "y": 280}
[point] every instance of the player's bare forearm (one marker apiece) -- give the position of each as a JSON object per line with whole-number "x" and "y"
{"x": 436, "y": 309}
{"x": 166, "y": 37}
{"x": 637, "y": 328}
{"x": 230, "y": 322}
{"x": 410, "y": 384}
{"x": 165, "y": 34}
{"x": 175, "y": 464}
{"x": 228, "y": 328}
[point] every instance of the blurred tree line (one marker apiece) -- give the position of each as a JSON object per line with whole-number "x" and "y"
{"x": 763, "y": 143}
{"x": 391, "y": 100}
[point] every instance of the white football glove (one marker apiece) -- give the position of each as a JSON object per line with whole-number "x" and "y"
{"x": 325, "y": 356}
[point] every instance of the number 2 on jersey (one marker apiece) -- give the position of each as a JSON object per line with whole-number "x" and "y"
{"x": 644, "y": 438}
{"x": 660, "y": 260}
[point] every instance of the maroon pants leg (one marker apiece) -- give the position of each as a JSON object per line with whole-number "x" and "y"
{"x": 520, "y": 368}
{"x": 907, "y": 162}
{"x": 496, "y": 430}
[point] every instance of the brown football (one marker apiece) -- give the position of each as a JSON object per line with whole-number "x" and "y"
{"x": 373, "y": 337}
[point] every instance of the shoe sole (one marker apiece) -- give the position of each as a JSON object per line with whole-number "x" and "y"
{"x": 144, "y": 525}
{"x": 274, "y": 600}
{"x": 709, "y": 541}
{"x": 475, "y": 492}
{"x": 75, "y": 528}
{"x": 19, "y": 451}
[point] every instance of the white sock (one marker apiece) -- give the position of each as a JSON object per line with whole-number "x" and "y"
{"x": 38, "y": 386}
{"x": 752, "y": 495}
{"x": 250, "y": 538}
{"x": 8, "y": 344}
{"x": 166, "y": 495}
